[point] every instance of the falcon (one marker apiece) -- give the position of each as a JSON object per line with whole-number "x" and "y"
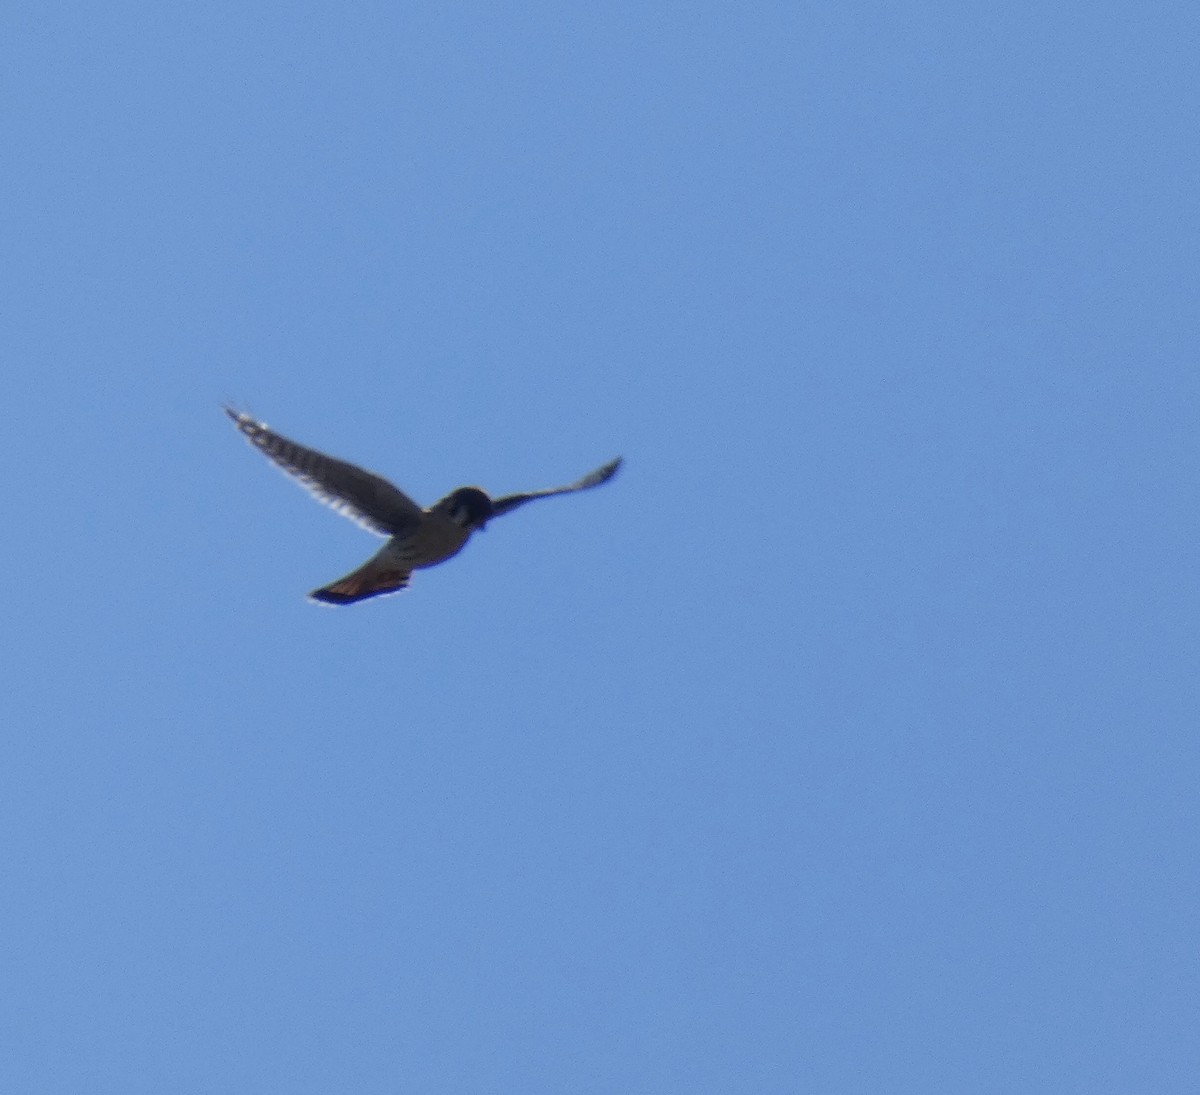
{"x": 417, "y": 537}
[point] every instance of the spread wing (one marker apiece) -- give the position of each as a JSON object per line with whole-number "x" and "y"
{"x": 592, "y": 479}
{"x": 371, "y": 501}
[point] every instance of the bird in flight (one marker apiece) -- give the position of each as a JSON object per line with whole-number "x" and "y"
{"x": 416, "y": 537}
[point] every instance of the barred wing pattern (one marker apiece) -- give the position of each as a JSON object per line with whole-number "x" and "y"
{"x": 592, "y": 479}
{"x": 350, "y": 490}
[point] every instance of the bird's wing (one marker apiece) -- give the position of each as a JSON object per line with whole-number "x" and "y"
{"x": 363, "y": 497}
{"x": 592, "y": 479}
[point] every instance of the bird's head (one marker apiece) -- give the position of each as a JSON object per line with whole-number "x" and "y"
{"x": 468, "y": 507}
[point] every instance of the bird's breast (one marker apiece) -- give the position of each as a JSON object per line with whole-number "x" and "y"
{"x": 436, "y": 539}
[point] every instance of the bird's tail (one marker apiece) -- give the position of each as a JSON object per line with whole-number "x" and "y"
{"x": 374, "y": 579}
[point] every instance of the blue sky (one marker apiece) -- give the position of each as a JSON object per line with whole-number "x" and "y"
{"x": 846, "y": 743}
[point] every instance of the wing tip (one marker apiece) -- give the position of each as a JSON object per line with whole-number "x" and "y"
{"x": 244, "y": 422}
{"x": 605, "y": 472}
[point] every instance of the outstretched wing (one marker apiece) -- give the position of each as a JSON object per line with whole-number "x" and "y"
{"x": 371, "y": 501}
{"x": 592, "y": 479}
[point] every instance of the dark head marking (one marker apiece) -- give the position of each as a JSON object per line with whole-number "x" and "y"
{"x": 469, "y": 507}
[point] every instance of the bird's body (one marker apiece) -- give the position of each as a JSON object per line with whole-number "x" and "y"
{"x": 417, "y": 537}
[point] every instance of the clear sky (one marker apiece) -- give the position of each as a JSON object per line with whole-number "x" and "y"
{"x": 847, "y": 742}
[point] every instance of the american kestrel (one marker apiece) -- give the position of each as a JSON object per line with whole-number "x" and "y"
{"x": 416, "y": 537}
